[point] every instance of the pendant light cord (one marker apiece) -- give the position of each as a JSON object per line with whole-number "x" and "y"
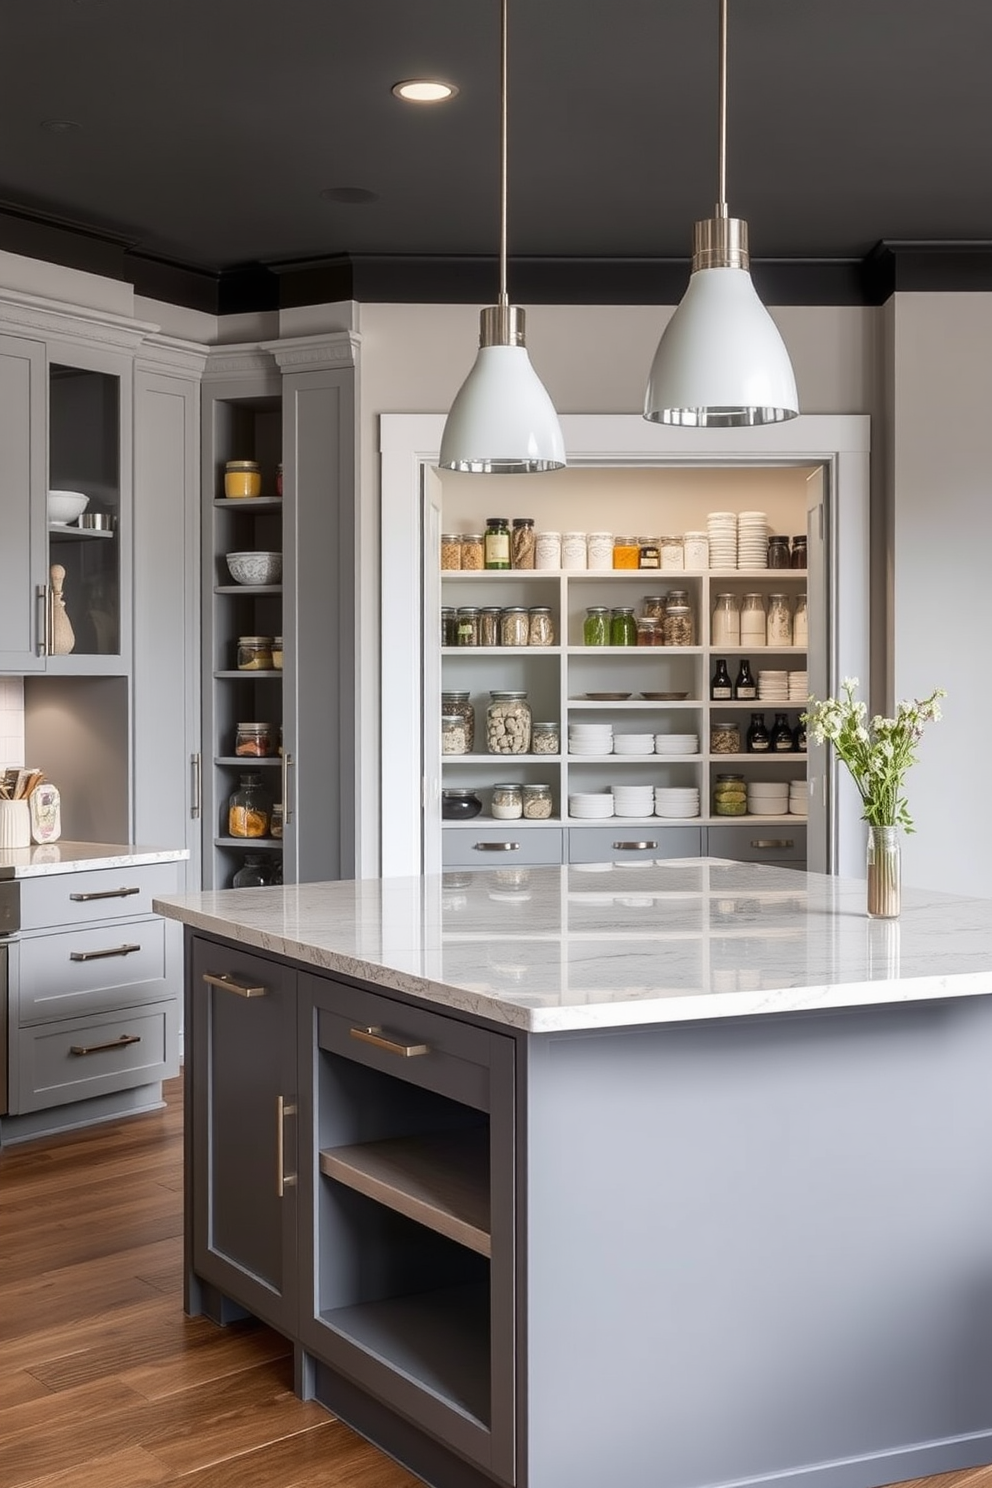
{"x": 721, "y": 206}
{"x": 503, "y": 299}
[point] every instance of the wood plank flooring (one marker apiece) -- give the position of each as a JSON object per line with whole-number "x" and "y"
{"x": 105, "y": 1383}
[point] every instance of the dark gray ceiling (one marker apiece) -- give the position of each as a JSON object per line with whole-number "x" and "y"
{"x": 207, "y": 129}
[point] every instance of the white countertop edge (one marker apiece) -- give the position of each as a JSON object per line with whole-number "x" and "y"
{"x": 42, "y": 860}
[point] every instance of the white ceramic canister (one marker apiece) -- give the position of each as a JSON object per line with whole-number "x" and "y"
{"x": 573, "y": 550}
{"x": 547, "y": 550}
{"x": 599, "y": 550}
{"x": 15, "y": 824}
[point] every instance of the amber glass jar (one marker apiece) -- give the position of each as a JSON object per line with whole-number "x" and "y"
{"x": 242, "y": 478}
{"x": 249, "y": 809}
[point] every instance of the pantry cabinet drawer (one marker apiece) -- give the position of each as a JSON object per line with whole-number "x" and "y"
{"x": 98, "y": 895}
{"x": 495, "y": 846}
{"x": 622, "y": 843}
{"x": 757, "y": 842}
{"x": 84, "y": 1057}
{"x": 75, "y": 973}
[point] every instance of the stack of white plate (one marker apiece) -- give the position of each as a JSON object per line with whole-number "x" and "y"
{"x": 773, "y": 687}
{"x": 590, "y": 738}
{"x": 633, "y": 800}
{"x": 798, "y": 798}
{"x": 768, "y": 797}
{"x": 721, "y": 529}
{"x": 633, "y": 743}
{"x": 798, "y": 687}
{"x": 589, "y": 805}
{"x": 752, "y": 539}
{"x": 676, "y": 800}
{"x": 676, "y": 743}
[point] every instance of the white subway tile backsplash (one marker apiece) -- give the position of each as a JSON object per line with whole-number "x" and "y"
{"x": 11, "y": 721}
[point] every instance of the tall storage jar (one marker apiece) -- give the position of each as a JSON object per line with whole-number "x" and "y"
{"x": 508, "y": 723}
{"x": 457, "y": 703}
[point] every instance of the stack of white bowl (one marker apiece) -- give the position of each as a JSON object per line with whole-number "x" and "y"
{"x": 633, "y": 800}
{"x": 721, "y": 529}
{"x": 798, "y": 687}
{"x": 798, "y": 798}
{"x": 676, "y": 743}
{"x": 768, "y": 797}
{"x": 633, "y": 743}
{"x": 590, "y": 805}
{"x": 752, "y": 539}
{"x": 590, "y": 738}
{"x": 676, "y": 800}
{"x": 773, "y": 687}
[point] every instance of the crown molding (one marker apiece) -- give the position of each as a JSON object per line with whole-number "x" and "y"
{"x": 329, "y": 350}
{"x": 172, "y": 356}
{"x": 246, "y": 361}
{"x": 24, "y": 314}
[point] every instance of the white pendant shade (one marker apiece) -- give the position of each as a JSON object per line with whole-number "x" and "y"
{"x": 721, "y": 362}
{"x": 502, "y": 421}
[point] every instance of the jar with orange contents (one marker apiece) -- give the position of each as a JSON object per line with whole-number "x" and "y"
{"x": 626, "y": 552}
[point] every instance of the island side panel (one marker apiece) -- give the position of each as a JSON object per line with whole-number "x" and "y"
{"x": 759, "y": 1246}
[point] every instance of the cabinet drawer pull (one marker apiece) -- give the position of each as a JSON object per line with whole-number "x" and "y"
{"x": 772, "y": 842}
{"x": 284, "y": 1180}
{"x": 406, "y": 1048}
{"x": 122, "y": 893}
{"x": 121, "y": 950}
{"x": 228, "y": 984}
{"x": 635, "y": 846}
{"x": 41, "y": 594}
{"x": 118, "y": 1043}
{"x": 497, "y": 846}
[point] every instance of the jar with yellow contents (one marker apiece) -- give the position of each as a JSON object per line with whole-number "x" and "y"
{"x": 242, "y": 478}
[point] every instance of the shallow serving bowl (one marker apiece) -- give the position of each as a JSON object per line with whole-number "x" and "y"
{"x": 255, "y": 568}
{"x": 65, "y": 506}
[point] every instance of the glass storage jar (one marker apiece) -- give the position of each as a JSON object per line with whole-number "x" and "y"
{"x": 489, "y": 623}
{"x": 254, "y": 653}
{"x": 497, "y": 543}
{"x": 650, "y": 553}
{"x": 797, "y": 558}
{"x": 672, "y": 553}
{"x": 626, "y": 552}
{"x": 508, "y": 723}
{"x": 459, "y": 805}
{"x": 800, "y": 622}
{"x": 468, "y": 625}
{"x": 242, "y": 478}
{"x": 547, "y": 550}
{"x": 725, "y": 737}
{"x": 255, "y": 872}
{"x": 778, "y": 552}
{"x": 596, "y": 626}
{"x": 648, "y": 631}
{"x": 473, "y": 550}
{"x": 514, "y": 626}
{"x": 507, "y": 802}
{"x": 449, "y": 626}
{"x": 451, "y": 550}
{"x": 537, "y": 804}
{"x": 623, "y": 627}
{"x": 545, "y": 738}
{"x": 729, "y": 796}
{"x": 523, "y": 543}
{"x": 678, "y": 626}
{"x": 540, "y": 629}
{"x": 249, "y": 808}
{"x": 255, "y": 740}
{"x": 457, "y": 703}
{"x": 654, "y": 606}
{"x": 453, "y": 737}
{"x": 778, "y": 629}
{"x": 726, "y": 622}
{"x": 275, "y": 825}
{"x": 753, "y": 620}
{"x": 277, "y": 652}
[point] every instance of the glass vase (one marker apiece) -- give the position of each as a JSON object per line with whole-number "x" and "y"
{"x": 883, "y": 873}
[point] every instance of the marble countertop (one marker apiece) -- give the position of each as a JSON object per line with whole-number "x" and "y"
{"x": 614, "y": 945}
{"x": 47, "y": 858}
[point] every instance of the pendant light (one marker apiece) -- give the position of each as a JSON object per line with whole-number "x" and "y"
{"x": 721, "y": 362}
{"x": 502, "y": 421}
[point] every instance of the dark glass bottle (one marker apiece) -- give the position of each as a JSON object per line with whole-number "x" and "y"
{"x": 255, "y": 872}
{"x": 799, "y": 737}
{"x": 745, "y": 686}
{"x": 797, "y": 558}
{"x": 758, "y": 737}
{"x": 778, "y": 552}
{"x": 721, "y": 685}
{"x": 782, "y": 742}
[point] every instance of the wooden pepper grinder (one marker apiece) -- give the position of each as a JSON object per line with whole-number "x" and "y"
{"x": 63, "y": 636}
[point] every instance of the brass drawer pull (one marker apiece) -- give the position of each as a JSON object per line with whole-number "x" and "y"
{"x": 772, "y": 842}
{"x": 228, "y": 984}
{"x": 497, "y": 846}
{"x": 406, "y": 1048}
{"x": 119, "y": 1043}
{"x": 284, "y": 1180}
{"x": 122, "y": 950}
{"x": 122, "y": 893}
{"x": 635, "y": 846}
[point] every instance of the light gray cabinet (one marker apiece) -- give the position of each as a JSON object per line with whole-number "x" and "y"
{"x": 23, "y": 552}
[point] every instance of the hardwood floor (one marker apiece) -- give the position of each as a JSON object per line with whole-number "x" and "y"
{"x": 105, "y": 1383}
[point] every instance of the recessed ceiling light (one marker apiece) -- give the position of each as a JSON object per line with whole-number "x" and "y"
{"x": 349, "y": 196}
{"x": 60, "y": 126}
{"x": 424, "y": 90}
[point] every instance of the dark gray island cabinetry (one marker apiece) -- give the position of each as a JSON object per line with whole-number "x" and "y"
{"x": 684, "y": 1183}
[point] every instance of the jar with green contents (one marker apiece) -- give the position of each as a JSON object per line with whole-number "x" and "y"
{"x": 496, "y": 541}
{"x": 623, "y": 627}
{"x": 729, "y": 796}
{"x": 596, "y": 626}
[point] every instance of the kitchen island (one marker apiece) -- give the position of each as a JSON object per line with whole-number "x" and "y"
{"x": 653, "y": 1176}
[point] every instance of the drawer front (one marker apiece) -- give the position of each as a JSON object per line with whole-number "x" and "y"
{"x": 621, "y": 843}
{"x": 85, "y": 1057}
{"x": 75, "y": 973}
{"x": 96, "y": 896}
{"x": 494, "y": 847}
{"x": 756, "y": 842}
{"x": 451, "y": 1058}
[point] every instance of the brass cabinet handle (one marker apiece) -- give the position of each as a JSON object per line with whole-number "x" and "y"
{"x": 497, "y": 846}
{"x": 118, "y": 1043}
{"x": 635, "y": 846}
{"x": 406, "y": 1048}
{"x": 121, "y": 950}
{"x": 228, "y": 984}
{"x": 122, "y": 893}
{"x": 772, "y": 842}
{"x": 41, "y": 594}
{"x": 284, "y": 1180}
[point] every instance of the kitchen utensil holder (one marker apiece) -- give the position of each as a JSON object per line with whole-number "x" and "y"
{"x": 15, "y": 824}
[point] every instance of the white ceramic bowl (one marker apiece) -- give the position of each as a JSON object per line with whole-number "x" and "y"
{"x": 255, "y": 568}
{"x": 65, "y": 506}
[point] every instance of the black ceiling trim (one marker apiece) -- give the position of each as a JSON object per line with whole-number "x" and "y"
{"x": 35, "y": 235}
{"x": 914, "y": 267}
{"x": 176, "y": 284}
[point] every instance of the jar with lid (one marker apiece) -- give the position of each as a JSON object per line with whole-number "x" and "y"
{"x": 626, "y": 552}
{"x": 573, "y": 550}
{"x": 497, "y": 543}
{"x": 778, "y": 552}
{"x": 459, "y": 805}
{"x": 672, "y": 553}
{"x": 473, "y": 550}
{"x": 449, "y": 626}
{"x": 729, "y": 796}
{"x": 277, "y": 652}
{"x": 454, "y": 739}
{"x": 255, "y": 872}
{"x": 596, "y": 626}
{"x": 254, "y": 653}
{"x": 451, "y": 551}
{"x": 782, "y": 740}
{"x": 753, "y": 620}
{"x": 797, "y": 558}
{"x": 623, "y": 627}
{"x": 599, "y": 550}
{"x": 508, "y": 721}
{"x": 778, "y": 630}
{"x": 507, "y": 802}
{"x": 242, "y": 478}
{"x": 522, "y": 543}
{"x": 725, "y": 737}
{"x": 537, "y": 803}
{"x": 458, "y": 703}
{"x": 545, "y": 738}
{"x": 540, "y": 630}
{"x": 275, "y": 825}
{"x": 249, "y": 808}
{"x": 726, "y": 621}
{"x": 758, "y": 738}
{"x": 650, "y": 553}
{"x": 678, "y": 627}
{"x": 489, "y": 623}
{"x": 800, "y": 622}
{"x": 654, "y": 606}
{"x": 468, "y": 625}
{"x": 547, "y": 550}
{"x": 649, "y": 631}
{"x": 696, "y": 549}
{"x": 514, "y": 626}
{"x": 255, "y": 740}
